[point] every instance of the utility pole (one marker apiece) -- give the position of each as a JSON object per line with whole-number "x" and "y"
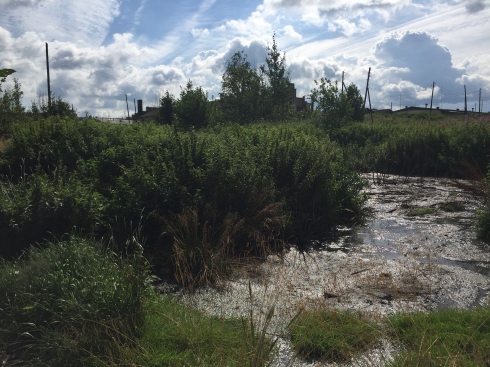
{"x": 367, "y": 94}
{"x": 49, "y": 82}
{"x": 343, "y": 85}
{"x": 465, "y": 101}
{"x": 432, "y": 97}
{"x": 127, "y": 105}
{"x": 400, "y": 101}
{"x": 134, "y": 100}
{"x": 479, "y": 102}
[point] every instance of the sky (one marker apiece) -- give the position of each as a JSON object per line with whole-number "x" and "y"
{"x": 102, "y": 50}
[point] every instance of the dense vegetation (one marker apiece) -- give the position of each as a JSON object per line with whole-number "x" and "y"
{"x": 88, "y": 210}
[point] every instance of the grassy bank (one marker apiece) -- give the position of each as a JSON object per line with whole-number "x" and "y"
{"x": 418, "y": 144}
{"x": 441, "y": 338}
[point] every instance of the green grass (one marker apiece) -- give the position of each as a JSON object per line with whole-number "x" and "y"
{"x": 420, "y": 212}
{"x": 72, "y": 301}
{"x": 75, "y": 303}
{"x": 332, "y": 336}
{"x": 417, "y": 145}
{"x": 176, "y": 335}
{"x": 452, "y": 207}
{"x": 443, "y": 338}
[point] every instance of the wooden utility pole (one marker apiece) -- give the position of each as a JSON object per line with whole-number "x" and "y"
{"x": 479, "y": 102}
{"x": 368, "y": 95}
{"x": 127, "y": 105}
{"x": 49, "y": 82}
{"x": 343, "y": 85}
{"x": 465, "y": 101}
{"x": 367, "y": 87}
{"x": 431, "y": 98}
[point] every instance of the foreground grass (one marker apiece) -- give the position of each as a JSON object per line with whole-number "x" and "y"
{"x": 176, "y": 335}
{"x": 332, "y": 336}
{"x": 75, "y": 303}
{"x": 441, "y": 338}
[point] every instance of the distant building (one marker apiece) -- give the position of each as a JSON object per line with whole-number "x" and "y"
{"x": 151, "y": 112}
{"x": 298, "y": 103}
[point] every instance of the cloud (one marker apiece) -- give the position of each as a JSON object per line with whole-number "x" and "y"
{"x": 12, "y": 4}
{"x": 61, "y": 20}
{"x": 473, "y": 7}
{"x": 422, "y": 56}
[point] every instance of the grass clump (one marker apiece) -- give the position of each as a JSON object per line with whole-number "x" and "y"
{"x": 419, "y": 212}
{"x": 332, "y": 336}
{"x": 443, "y": 338}
{"x": 452, "y": 207}
{"x": 176, "y": 335}
{"x": 72, "y": 301}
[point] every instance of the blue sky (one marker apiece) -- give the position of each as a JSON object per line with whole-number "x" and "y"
{"x": 101, "y": 50}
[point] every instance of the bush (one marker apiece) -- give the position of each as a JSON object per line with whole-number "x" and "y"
{"x": 234, "y": 190}
{"x": 418, "y": 144}
{"x": 72, "y": 303}
{"x": 192, "y": 108}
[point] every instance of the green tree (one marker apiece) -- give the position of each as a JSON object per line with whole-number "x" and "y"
{"x": 166, "y": 112}
{"x": 243, "y": 89}
{"x": 192, "y": 108}
{"x": 278, "y": 81}
{"x": 356, "y": 100}
{"x": 59, "y": 107}
{"x": 336, "y": 107}
{"x": 11, "y": 108}
{"x": 4, "y": 73}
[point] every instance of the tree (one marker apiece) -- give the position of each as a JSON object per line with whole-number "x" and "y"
{"x": 355, "y": 99}
{"x": 11, "y": 108}
{"x": 277, "y": 77}
{"x": 337, "y": 107}
{"x": 166, "y": 112}
{"x": 192, "y": 108}
{"x": 4, "y": 73}
{"x": 59, "y": 107}
{"x": 244, "y": 92}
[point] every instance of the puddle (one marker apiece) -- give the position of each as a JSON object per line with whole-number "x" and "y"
{"x": 393, "y": 263}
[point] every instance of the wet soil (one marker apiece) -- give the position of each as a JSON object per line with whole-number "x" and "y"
{"x": 417, "y": 251}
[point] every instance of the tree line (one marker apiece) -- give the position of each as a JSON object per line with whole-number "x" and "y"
{"x": 251, "y": 94}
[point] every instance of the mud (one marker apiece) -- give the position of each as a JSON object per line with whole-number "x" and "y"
{"x": 416, "y": 251}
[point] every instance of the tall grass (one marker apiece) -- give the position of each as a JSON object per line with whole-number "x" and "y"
{"x": 418, "y": 145}
{"x": 73, "y": 301}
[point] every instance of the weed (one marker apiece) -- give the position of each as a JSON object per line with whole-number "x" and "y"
{"x": 452, "y": 207}
{"x": 419, "y": 212}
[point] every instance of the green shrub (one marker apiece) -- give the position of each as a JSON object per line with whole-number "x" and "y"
{"x": 40, "y": 207}
{"x": 72, "y": 303}
{"x": 422, "y": 144}
{"x": 244, "y": 190}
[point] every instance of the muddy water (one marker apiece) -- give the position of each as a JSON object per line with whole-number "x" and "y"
{"x": 416, "y": 252}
